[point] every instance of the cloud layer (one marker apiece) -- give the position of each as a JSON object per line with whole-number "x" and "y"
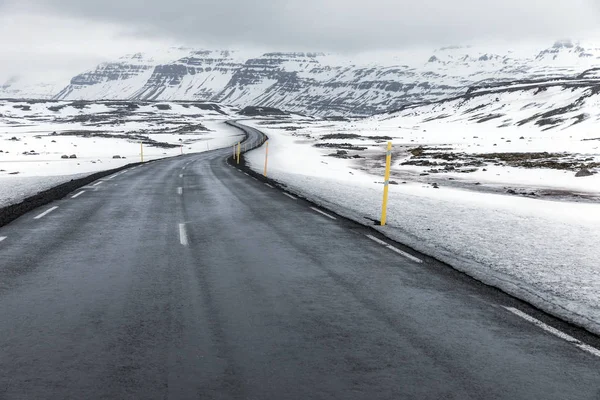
{"x": 346, "y": 25}
{"x": 63, "y": 37}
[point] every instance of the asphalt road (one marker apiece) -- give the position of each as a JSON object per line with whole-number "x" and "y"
{"x": 229, "y": 289}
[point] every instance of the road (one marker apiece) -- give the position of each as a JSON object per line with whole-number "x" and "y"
{"x": 186, "y": 279}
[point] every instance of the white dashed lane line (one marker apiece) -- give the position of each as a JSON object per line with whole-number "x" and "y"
{"x": 289, "y": 195}
{"x": 97, "y": 183}
{"x": 78, "y": 194}
{"x": 554, "y": 331}
{"x": 396, "y": 250}
{"x": 323, "y": 213}
{"x": 42, "y": 215}
{"x": 180, "y": 190}
{"x": 183, "y": 239}
{"x": 271, "y": 186}
{"x": 181, "y": 175}
{"x": 2, "y": 238}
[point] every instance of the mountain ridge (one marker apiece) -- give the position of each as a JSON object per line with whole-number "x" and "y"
{"x": 317, "y": 83}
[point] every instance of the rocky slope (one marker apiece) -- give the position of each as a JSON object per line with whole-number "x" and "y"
{"x": 317, "y": 83}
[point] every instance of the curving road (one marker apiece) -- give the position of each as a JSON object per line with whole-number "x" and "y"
{"x": 186, "y": 279}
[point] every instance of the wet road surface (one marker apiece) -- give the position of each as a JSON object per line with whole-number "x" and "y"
{"x": 186, "y": 279}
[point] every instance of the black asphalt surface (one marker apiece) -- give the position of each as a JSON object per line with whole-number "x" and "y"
{"x": 232, "y": 290}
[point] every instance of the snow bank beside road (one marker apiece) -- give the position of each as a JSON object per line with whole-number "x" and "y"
{"x": 542, "y": 251}
{"x": 14, "y": 190}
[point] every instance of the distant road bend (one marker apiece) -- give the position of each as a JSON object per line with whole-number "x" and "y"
{"x": 187, "y": 279}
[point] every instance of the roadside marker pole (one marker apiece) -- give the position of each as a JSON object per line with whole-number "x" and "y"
{"x": 266, "y": 158}
{"x": 386, "y": 183}
{"x": 239, "y": 148}
{"x": 142, "y": 151}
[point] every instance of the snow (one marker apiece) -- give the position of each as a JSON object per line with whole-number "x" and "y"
{"x": 455, "y": 125}
{"x": 34, "y": 87}
{"x": 14, "y": 190}
{"x": 545, "y": 252}
{"x": 22, "y": 175}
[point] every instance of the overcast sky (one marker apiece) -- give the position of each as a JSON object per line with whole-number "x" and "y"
{"x": 62, "y": 36}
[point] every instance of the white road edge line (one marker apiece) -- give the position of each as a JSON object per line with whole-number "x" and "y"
{"x": 42, "y": 215}
{"x": 97, "y": 183}
{"x": 180, "y": 190}
{"x": 394, "y": 249}
{"x": 554, "y": 331}
{"x": 78, "y": 194}
{"x": 271, "y": 186}
{"x": 114, "y": 176}
{"x": 289, "y": 195}
{"x": 2, "y": 238}
{"x": 183, "y": 239}
{"x": 254, "y": 178}
{"x": 246, "y": 174}
{"x": 323, "y": 213}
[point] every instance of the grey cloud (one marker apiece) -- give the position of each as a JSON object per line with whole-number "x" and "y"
{"x": 342, "y": 25}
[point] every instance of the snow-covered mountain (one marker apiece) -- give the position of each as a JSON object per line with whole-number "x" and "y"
{"x": 538, "y": 105}
{"x": 317, "y": 83}
{"x": 30, "y": 88}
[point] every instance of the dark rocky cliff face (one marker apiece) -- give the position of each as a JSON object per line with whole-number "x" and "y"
{"x": 189, "y": 77}
{"x": 104, "y": 73}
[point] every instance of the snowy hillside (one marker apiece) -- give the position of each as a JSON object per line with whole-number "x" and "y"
{"x": 317, "y": 83}
{"x": 530, "y": 139}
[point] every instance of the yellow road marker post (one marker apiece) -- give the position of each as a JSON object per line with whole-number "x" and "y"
{"x": 386, "y": 183}
{"x": 239, "y": 149}
{"x": 266, "y": 158}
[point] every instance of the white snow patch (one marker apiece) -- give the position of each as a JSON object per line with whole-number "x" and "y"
{"x": 34, "y": 136}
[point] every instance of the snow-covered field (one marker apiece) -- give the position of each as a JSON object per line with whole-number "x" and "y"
{"x": 530, "y": 143}
{"x": 532, "y": 231}
{"x": 35, "y": 136}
